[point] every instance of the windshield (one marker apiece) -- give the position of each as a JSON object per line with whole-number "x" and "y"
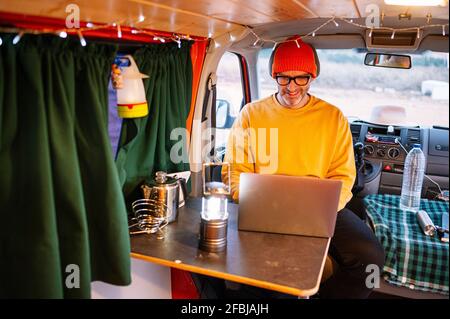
{"x": 359, "y": 90}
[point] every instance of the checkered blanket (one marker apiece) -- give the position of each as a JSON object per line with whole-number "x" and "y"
{"x": 413, "y": 260}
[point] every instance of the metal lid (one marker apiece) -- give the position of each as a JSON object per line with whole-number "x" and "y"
{"x": 161, "y": 179}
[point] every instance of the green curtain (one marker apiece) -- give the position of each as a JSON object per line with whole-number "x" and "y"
{"x": 145, "y": 143}
{"x": 61, "y": 202}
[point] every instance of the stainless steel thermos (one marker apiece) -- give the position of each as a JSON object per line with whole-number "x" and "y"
{"x": 426, "y": 223}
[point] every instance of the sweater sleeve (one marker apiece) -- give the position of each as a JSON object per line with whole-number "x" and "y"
{"x": 343, "y": 162}
{"x": 238, "y": 153}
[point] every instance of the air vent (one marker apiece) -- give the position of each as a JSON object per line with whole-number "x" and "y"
{"x": 413, "y": 137}
{"x": 356, "y": 131}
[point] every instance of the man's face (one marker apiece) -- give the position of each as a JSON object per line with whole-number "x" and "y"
{"x": 292, "y": 94}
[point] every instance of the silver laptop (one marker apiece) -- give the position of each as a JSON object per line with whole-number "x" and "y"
{"x": 290, "y": 205}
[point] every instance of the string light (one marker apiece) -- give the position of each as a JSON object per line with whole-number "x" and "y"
{"x": 17, "y": 38}
{"x": 177, "y": 40}
{"x": 275, "y": 43}
{"x": 162, "y": 40}
{"x": 63, "y": 33}
{"x": 259, "y": 41}
{"x": 417, "y": 29}
{"x": 82, "y": 40}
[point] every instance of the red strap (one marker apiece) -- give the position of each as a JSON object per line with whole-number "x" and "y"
{"x": 183, "y": 286}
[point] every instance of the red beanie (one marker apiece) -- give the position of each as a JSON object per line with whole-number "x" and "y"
{"x": 289, "y": 56}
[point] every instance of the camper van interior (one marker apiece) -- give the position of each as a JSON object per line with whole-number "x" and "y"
{"x": 109, "y": 110}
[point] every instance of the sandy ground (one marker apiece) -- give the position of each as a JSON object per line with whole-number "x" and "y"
{"x": 420, "y": 110}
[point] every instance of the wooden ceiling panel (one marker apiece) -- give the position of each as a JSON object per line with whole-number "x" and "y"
{"x": 208, "y": 17}
{"x": 338, "y": 8}
{"x": 126, "y": 12}
{"x": 278, "y": 10}
{"x": 227, "y": 10}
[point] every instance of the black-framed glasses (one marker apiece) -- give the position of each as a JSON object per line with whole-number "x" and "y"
{"x": 300, "y": 80}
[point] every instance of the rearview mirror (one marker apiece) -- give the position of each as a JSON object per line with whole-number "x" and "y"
{"x": 388, "y": 60}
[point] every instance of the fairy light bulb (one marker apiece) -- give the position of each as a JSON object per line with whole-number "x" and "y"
{"x": 298, "y": 44}
{"x": 335, "y": 23}
{"x": 63, "y": 34}
{"x": 393, "y": 35}
{"x": 1, "y": 41}
{"x": 119, "y": 31}
{"x": 17, "y": 38}
{"x": 141, "y": 18}
{"x": 156, "y": 38}
{"x": 178, "y": 41}
{"x": 89, "y": 25}
{"x": 82, "y": 40}
{"x": 443, "y": 30}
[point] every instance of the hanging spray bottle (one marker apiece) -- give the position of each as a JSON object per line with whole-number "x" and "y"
{"x": 127, "y": 80}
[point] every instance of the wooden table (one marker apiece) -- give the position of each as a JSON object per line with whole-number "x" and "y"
{"x": 285, "y": 263}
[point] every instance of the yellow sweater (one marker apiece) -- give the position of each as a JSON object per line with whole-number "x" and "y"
{"x": 314, "y": 140}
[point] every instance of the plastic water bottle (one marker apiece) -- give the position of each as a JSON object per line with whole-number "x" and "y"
{"x": 413, "y": 174}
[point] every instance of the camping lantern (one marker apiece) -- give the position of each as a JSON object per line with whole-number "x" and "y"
{"x": 214, "y": 214}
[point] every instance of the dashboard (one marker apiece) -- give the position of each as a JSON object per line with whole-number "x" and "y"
{"x": 381, "y": 147}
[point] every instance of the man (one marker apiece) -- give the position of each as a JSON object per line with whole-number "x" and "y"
{"x": 313, "y": 139}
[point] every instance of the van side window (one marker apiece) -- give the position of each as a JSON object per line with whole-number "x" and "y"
{"x": 230, "y": 98}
